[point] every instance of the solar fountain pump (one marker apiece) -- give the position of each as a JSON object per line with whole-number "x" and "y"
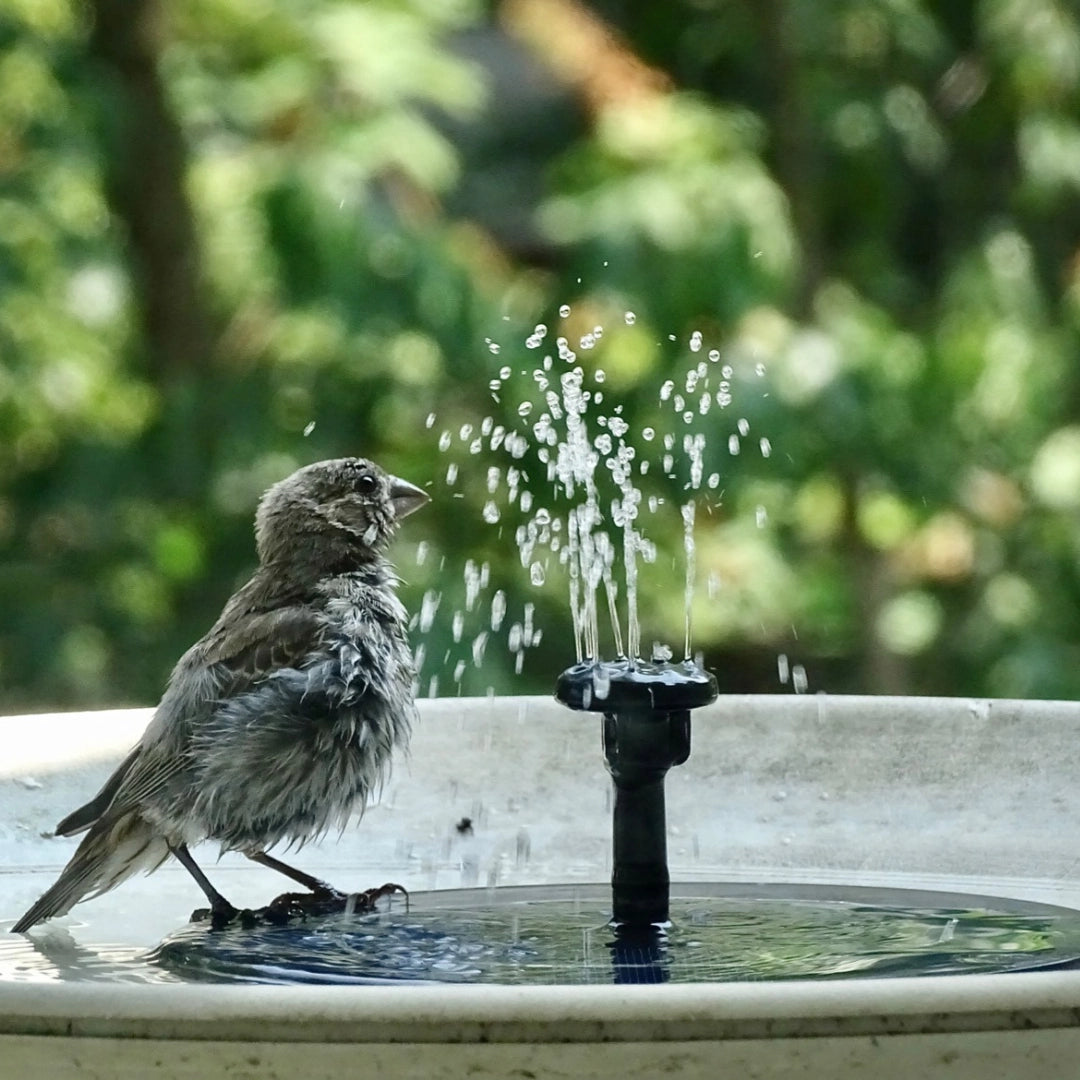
{"x": 646, "y": 730}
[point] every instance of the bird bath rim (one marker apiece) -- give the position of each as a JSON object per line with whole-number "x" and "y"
{"x": 930, "y": 775}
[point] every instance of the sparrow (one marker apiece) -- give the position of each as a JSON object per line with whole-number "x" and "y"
{"x": 282, "y": 720}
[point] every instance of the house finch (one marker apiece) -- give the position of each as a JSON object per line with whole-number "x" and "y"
{"x": 282, "y": 719}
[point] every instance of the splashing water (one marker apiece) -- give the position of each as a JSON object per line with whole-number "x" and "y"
{"x": 578, "y": 479}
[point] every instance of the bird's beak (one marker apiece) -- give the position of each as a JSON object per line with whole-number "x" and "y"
{"x": 406, "y": 497}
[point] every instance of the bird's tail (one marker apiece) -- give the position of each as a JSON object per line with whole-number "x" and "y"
{"x": 110, "y": 852}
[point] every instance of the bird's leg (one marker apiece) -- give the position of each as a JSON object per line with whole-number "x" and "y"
{"x": 316, "y": 885}
{"x": 221, "y": 911}
{"x": 324, "y": 899}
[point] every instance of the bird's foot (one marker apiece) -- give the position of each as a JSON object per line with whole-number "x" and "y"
{"x": 325, "y": 901}
{"x": 224, "y": 914}
{"x": 365, "y": 901}
{"x": 298, "y": 906}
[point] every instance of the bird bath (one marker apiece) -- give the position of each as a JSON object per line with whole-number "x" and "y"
{"x": 809, "y": 852}
{"x": 825, "y": 799}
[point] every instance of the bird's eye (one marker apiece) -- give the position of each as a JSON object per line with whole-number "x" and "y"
{"x": 366, "y": 484}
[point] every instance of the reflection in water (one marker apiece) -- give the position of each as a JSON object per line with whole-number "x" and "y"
{"x": 53, "y": 954}
{"x": 523, "y": 936}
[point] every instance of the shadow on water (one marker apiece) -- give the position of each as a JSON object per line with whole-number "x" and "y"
{"x": 559, "y": 935}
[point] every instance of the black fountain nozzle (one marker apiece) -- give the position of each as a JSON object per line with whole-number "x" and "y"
{"x": 646, "y": 707}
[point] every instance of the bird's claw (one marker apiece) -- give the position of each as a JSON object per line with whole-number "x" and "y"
{"x": 365, "y": 901}
{"x": 326, "y": 901}
{"x": 222, "y": 915}
{"x": 299, "y": 905}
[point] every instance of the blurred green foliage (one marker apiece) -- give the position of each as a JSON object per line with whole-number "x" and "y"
{"x": 869, "y": 208}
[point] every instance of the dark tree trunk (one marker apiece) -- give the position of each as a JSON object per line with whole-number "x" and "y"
{"x": 145, "y": 171}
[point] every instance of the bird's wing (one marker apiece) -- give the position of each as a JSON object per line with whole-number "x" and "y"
{"x": 237, "y": 654}
{"x": 80, "y": 820}
{"x": 248, "y": 648}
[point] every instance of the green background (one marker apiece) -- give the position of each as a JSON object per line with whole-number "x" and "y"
{"x": 223, "y": 221}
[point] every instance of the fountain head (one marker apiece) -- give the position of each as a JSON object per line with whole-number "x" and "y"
{"x": 654, "y": 686}
{"x": 646, "y": 707}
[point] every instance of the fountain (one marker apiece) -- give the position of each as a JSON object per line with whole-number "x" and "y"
{"x": 897, "y": 836}
{"x": 646, "y": 711}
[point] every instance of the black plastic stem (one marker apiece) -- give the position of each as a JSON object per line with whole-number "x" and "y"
{"x": 646, "y": 709}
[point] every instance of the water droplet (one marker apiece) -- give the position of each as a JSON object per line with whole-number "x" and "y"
{"x": 733, "y": 444}
{"x": 761, "y": 515}
{"x": 799, "y": 682}
{"x": 661, "y": 653}
{"x": 478, "y": 646}
{"x": 695, "y": 341}
{"x": 498, "y": 609}
{"x": 665, "y": 390}
{"x": 430, "y": 421}
{"x": 630, "y": 318}
{"x": 714, "y": 480}
{"x": 648, "y": 434}
{"x": 564, "y": 310}
{"x": 504, "y": 373}
{"x": 766, "y": 447}
{"x": 309, "y": 428}
{"x": 493, "y": 347}
{"x": 444, "y": 441}
{"x": 726, "y": 372}
{"x": 451, "y": 474}
{"x": 422, "y": 550}
{"x": 537, "y": 574}
{"x": 759, "y": 370}
{"x": 494, "y": 474}
{"x": 525, "y": 408}
{"x": 783, "y": 669}
{"x": 599, "y": 375}
{"x": 743, "y": 426}
{"x": 490, "y": 512}
{"x": 714, "y": 355}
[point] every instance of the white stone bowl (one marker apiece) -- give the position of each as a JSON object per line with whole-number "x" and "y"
{"x": 950, "y": 794}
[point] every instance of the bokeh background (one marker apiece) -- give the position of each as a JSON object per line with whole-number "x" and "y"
{"x": 237, "y": 236}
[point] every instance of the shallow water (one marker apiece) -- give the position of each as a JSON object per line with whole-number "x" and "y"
{"x": 560, "y": 935}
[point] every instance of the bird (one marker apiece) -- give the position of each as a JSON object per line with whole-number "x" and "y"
{"x": 280, "y": 721}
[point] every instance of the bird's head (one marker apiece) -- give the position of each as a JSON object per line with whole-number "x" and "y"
{"x": 333, "y": 512}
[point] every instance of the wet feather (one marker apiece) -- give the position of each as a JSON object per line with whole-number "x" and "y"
{"x": 282, "y": 720}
